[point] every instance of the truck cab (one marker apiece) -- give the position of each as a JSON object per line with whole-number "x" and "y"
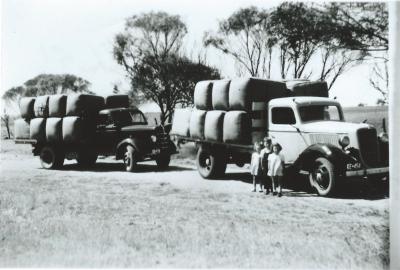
{"x": 316, "y": 139}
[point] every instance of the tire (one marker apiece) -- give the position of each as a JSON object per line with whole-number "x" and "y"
{"x": 86, "y": 158}
{"x": 163, "y": 161}
{"x": 51, "y": 158}
{"x": 210, "y": 165}
{"x": 130, "y": 158}
{"x": 323, "y": 177}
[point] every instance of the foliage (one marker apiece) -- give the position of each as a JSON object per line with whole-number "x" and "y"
{"x": 150, "y": 51}
{"x": 243, "y": 36}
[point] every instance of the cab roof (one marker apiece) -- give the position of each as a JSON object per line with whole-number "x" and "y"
{"x": 303, "y": 100}
{"x": 107, "y": 111}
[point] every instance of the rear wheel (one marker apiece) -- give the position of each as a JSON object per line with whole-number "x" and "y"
{"x": 163, "y": 161}
{"x": 209, "y": 164}
{"x": 323, "y": 177}
{"x": 86, "y": 158}
{"x": 51, "y": 158}
{"x": 130, "y": 158}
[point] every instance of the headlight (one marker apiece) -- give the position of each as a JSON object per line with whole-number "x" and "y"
{"x": 384, "y": 137}
{"x": 344, "y": 141}
{"x": 153, "y": 138}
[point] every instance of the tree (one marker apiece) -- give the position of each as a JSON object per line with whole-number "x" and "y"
{"x": 150, "y": 52}
{"x": 5, "y": 118}
{"x": 379, "y": 80}
{"x": 243, "y": 36}
{"x": 170, "y": 82}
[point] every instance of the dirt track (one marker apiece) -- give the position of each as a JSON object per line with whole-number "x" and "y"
{"x": 109, "y": 218}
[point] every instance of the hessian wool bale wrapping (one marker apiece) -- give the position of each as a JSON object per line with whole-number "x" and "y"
{"x": 220, "y": 95}
{"x": 214, "y": 124}
{"x": 203, "y": 95}
{"x": 117, "y": 101}
{"x": 181, "y": 122}
{"x": 84, "y": 105}
{"x": 237, "y": 127}
{"x": 38, "y": 129}
{"x": 21, "y": 129}
{"x": 77, "y": 130}
{"x": 197, "y": 121}
{"x": 26, "y": 107}
{"x": 57, "y": 105}
{"x": 242, "y": 92}
{"x": 316, "y": 89}
{"x": 54, "y": 129}
{"x": 41, "y": 106}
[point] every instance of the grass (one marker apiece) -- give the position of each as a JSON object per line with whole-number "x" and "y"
{"x": 109, "y": 218}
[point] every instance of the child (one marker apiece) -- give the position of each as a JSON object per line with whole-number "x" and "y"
{"x": 264, "y": 164}
{"x": 276, "y": 162}
{"x": 255, "y": 165}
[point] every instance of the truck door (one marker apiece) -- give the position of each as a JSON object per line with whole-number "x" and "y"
{"x": 282, "y": 129}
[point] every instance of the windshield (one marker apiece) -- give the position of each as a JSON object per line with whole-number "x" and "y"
{"x": 320, "y": 112}
{"x": 126, "y": 118}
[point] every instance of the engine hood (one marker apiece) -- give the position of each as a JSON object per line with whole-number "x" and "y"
{"x": 139, "y": 128}
{"x": 332, "y": 127}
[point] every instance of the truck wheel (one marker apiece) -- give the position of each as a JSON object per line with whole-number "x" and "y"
{"x": 163, "y": 161}
{"x": 323, "y": 177}
{"x": 209, "y": 165}
{"x": 130, "y": 158}
{"x": 51, "y": 158}
{"x": 86, "y": 158}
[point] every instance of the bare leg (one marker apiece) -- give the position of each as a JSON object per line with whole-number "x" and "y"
{"x": 280, "y": 185}
{"x": 254, "y": 183}
{"x": 261, "y": 184}
{"x": 273, "y": 183}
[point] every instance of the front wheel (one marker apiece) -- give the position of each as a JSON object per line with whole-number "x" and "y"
{"x": 210, "y": 165}
{"x": 323, "y": 177}
{"x": 130, "y": 158}
{"x": 51, "y": 158}
{"x": 163, "y": 161}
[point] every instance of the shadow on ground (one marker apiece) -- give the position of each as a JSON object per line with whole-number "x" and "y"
{"x": 110, "y": 167}
{"x": 300, "y": 187}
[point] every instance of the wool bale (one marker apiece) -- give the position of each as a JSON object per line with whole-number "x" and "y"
{"x": 57, "y": 105}
{"x": 41, "y": 106}
{"x": 77, "y": 129}
{"x": 117, "y": 101}
{"x": 84, "y": 105}
{"x": 316, "y": 89}
{"x": 21, "y": 129}
{"x": 197, "y": 121}
{"x": 203, "y": 95}
{"x": 242, "y": 92}
{"x": 181, "y": 122}
{"x": 26, "y": 107}
{"x": 237, "y": 127}
{"x": 54, "y": 129}
{"x": 220, "y": 95}
{"x": 214, "y": 124}
{"x": 37, "y": 129}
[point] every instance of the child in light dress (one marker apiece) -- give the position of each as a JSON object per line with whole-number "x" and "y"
{"x": 265, "y": 152}
{"x": 255, "y": 167}
{"x": 276, "y": 162}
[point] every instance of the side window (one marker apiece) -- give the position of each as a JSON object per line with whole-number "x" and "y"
{"x": 283, "y": 116}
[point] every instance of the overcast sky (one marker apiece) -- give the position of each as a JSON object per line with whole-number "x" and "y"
{"x": 76, "y": 36}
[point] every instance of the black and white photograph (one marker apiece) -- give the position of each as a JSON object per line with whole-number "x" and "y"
{"x": 200, "y": 134}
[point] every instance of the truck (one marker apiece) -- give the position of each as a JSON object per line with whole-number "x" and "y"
{"x": 119, "y": 131}
{"x": 310, "y": 127}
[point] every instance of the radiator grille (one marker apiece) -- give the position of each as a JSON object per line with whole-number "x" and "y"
{"x": 368, "y": 143}
{"x": 325, "y": 138}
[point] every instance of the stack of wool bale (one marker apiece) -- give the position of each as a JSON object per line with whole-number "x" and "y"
{"x": 230, "y": 111}
{"x": 308, "y": 88}
{"x": 61, "y": 118}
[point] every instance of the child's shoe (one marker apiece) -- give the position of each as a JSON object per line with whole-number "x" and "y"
{"x": 280, "y": 194}
{"x": 274, "y": 193}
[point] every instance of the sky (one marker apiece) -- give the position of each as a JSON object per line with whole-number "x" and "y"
{"x": 76, "y": 36}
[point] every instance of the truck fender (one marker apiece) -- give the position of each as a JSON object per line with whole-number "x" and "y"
{"x": 122, "y": 145}
{"x": 331, "y": 152}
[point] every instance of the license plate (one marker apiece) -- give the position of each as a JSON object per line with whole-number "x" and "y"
{"x": 353, "y": 166}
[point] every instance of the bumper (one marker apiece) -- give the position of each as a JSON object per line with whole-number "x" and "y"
{"x": 369, "y": 171}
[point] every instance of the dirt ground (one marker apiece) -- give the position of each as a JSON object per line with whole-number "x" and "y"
{"x": 105, "y": 217}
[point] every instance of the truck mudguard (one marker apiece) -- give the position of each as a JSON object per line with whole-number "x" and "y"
{"x": 333, "y": 153}
{"x": 122, "y": 144}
